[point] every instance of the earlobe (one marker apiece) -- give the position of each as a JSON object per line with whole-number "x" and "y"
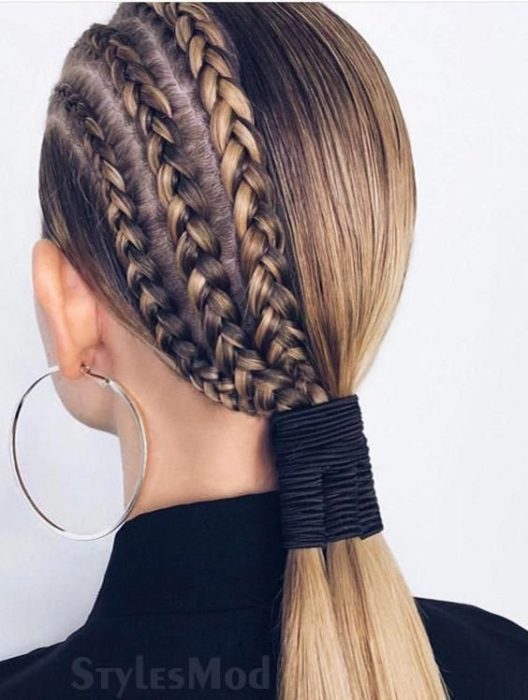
{"x": 66, "y": 309}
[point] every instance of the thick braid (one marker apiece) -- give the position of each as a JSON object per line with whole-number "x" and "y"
{"x": 272, "y": 389}
{"x": 155, "y": 306}
{"x": 279, "y": 334}
{"x": 197, "y": 248}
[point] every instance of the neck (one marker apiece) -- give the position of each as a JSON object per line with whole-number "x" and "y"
{"x": 198, "y": 450}
{"x": 198, "y": 456}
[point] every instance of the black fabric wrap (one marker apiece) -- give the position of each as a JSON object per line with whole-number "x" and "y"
{"x": 325, "y": 477}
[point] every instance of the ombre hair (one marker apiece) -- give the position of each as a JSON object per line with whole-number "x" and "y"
{"x": 235, "y": 183}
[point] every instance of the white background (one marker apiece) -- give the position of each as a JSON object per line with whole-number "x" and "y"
{"x": 445, "y": 402}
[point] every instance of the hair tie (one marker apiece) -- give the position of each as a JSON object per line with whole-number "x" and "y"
{"x": 325, "y": 477}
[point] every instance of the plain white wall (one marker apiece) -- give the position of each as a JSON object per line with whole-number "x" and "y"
{"x": 445, "y": 402}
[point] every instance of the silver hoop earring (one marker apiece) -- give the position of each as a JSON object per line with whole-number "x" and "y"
{"x": 130, "y": 403}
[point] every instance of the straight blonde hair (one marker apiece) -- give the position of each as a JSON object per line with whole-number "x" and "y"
{"x": 235, "y": 182}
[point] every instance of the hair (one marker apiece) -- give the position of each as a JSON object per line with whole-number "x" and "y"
{"x": 235, "y": 182}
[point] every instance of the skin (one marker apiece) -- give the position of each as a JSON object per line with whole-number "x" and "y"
{"x": 198, "y": 450}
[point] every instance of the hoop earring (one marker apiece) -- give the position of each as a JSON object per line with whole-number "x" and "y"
{"x": 119, "y": 390}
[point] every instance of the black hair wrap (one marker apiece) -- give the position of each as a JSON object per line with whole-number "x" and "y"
{"x": 325, "y": 477}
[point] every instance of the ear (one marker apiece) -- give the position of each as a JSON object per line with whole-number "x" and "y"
{"x": 66, "y": 309}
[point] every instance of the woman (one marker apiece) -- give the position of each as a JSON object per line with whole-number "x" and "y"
{"x": 228, "y": 204}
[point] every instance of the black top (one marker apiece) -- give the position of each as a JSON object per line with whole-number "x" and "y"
{"x": 188, "y": 608}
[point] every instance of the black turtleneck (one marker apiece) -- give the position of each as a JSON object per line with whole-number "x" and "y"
{"x": 189, "y": 608}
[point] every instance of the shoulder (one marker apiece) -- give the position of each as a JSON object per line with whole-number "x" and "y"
{"x": 15, "y": 664}
{"x": 18, "y": 670}
{"x": 482, "y": 655}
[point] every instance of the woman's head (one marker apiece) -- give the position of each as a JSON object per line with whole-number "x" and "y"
{"x": 234, "y": 183}
{"x": 229, "y": 189}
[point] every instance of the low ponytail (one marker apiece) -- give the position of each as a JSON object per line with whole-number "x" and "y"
{"x": 381, "y": 631}
{"x": 342, "y": 167}
{"x": 313, "y": 663}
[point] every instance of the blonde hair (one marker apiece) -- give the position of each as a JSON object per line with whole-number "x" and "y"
{"x": 235, "y": 182}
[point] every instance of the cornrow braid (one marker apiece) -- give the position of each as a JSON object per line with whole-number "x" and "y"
{"x": 253, "y": 387}
{"x": 279, "y": 335}
{"x": 197, "y": 250}
{"x": 155, "y": 306}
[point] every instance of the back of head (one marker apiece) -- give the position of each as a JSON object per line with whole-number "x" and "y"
{"x": 235, "y": 182}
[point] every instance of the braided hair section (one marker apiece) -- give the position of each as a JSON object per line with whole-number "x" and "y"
{"x": 278, "y": 335}
{"x": 156, "y": 307}
{"x": 197, "y": 249}
{"x": 227, "y": 368}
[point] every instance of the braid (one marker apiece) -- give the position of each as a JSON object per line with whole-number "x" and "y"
{"x": 253, "y": 387}
{"x": 197, "y": 250}
{"x": 235, "y": 138}
{"x": 156, "y": 308}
